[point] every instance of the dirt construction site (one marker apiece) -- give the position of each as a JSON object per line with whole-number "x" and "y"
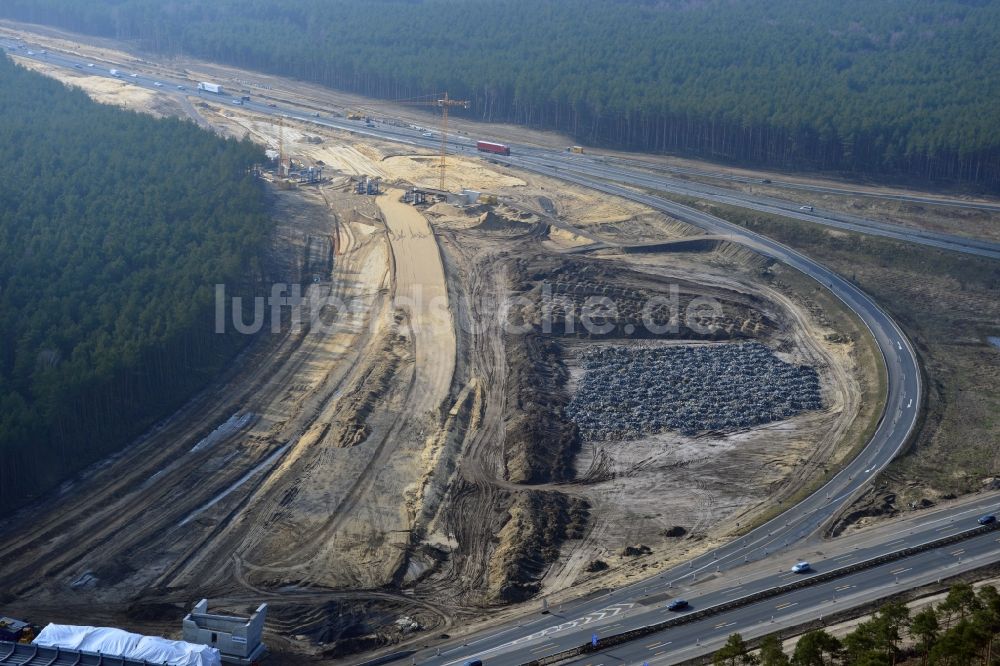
{"x": 399, "y": 458}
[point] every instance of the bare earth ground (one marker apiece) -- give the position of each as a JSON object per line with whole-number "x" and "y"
{"x": 400, "y": 461}
{"x": 970, "y": 222}
{"x": 962, "y": 222}
{"x": 949, "y": 306}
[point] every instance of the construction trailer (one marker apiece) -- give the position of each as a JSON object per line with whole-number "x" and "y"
{"x": 238, "y": 639}
{"x": 576, "y": 149}
{"x": 207, "y": 86}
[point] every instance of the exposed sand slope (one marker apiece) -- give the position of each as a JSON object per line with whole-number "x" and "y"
{"x": 422, "y": 291}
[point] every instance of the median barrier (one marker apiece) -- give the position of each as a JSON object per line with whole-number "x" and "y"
{"x": 639, "y": 632}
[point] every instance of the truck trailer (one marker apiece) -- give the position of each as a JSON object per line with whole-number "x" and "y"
{"x": 490, "y": 147}
{"x": 210, "y": 87}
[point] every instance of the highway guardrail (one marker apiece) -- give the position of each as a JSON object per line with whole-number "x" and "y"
{"x": 632, "y": 634}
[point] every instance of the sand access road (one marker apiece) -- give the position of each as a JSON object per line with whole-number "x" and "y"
{"x": 421, "y": 292}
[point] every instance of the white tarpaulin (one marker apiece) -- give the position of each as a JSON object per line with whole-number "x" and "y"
{"x": 118, "y": 643}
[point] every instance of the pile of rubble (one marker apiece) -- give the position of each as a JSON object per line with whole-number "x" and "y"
{"x": 630, "y": 392}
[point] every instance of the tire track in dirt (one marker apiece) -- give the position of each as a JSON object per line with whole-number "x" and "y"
{"x": 266, "y": 500}
{"x": 107, "y": 517}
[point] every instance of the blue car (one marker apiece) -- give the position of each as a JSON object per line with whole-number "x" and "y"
{"x": 988, "y": 519}
{"x": 677, "y": 605}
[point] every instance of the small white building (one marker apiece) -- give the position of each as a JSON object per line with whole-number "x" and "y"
{"x": 238, "y": 639}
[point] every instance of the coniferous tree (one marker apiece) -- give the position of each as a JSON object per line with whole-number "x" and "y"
{"x": 114, "y": 228}
{"x": 902, "y": 87}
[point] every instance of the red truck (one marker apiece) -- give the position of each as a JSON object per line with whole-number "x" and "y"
{"x": 490, "y": 147}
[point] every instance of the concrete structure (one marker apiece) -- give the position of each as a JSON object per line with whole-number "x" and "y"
{"x": 368, "y": 185}
{"x": 469, "y": 197}
{"x": 313, "y": 174}
{"x": 237, "y": 638}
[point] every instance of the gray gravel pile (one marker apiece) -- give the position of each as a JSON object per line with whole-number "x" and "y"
{"x": 630, "y": 392}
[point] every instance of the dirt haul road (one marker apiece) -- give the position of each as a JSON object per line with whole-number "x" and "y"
{"x": 421, "y": 291}
{"x": 270, "y": 494}
{"x": 408, "y": 443}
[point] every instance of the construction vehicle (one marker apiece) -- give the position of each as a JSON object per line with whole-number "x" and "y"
{"x": 490, "y": 147}
{"x": 578, "y": 150}
{"x": 355, "y": 115}
{"x": 488, "y": 199}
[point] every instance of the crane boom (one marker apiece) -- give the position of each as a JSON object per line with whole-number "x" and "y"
{"x": 444, "y": 103}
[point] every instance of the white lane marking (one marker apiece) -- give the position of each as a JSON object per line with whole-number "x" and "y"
{"x": 596, "y": 616}
{"x": 543, "y": 648}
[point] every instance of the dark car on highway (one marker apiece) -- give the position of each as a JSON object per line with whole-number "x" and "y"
{"x": 677, "y": 605}
{"x": 988, "y": 519}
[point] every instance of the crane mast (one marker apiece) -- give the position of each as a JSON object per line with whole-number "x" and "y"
{"x": 444, "y": 103}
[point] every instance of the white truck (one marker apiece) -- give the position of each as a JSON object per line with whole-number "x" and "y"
{"x": 210, "y": 87}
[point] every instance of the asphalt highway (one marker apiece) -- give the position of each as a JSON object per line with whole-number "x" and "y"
{"x": 645, "y": 165}
{"x": 707, "y": 635}
{"x": 636, "y": 173}
{"x": 645, "y": 603}
{"x": 777, "y": 540}
{"x": 837, "y": 220}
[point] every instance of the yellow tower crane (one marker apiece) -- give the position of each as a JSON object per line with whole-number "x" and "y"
{"x": 444, "y": 103}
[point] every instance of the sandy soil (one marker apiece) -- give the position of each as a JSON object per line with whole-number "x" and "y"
{"x": 103, "y": 89}
{"x": 421, "y": 292}
{"x": 320, "y": 98}
{"x": 374, "y": 448}
{"x": 737, "y": 476}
